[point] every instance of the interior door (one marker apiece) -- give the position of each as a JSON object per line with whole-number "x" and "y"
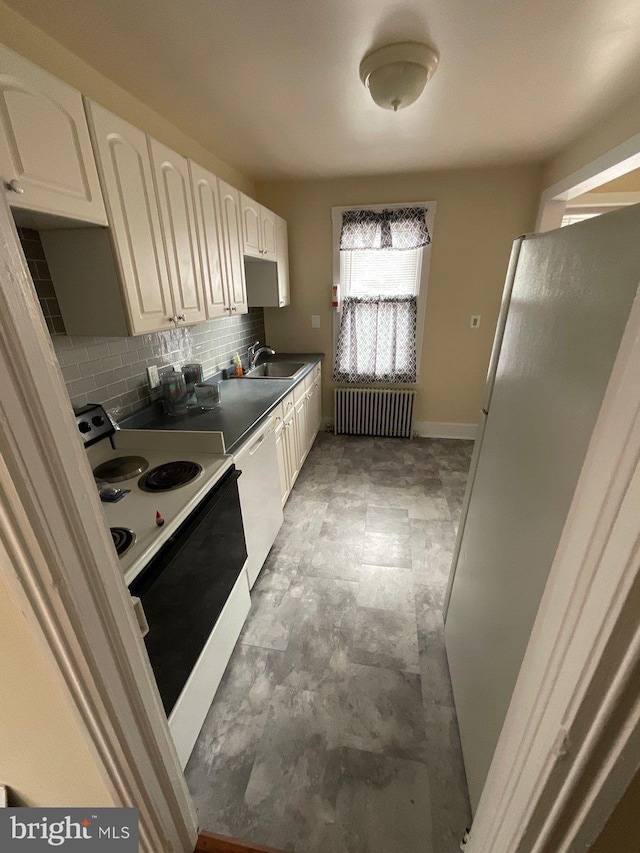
{"x": 177, "y": 216}
{"x": 571, "y": 298}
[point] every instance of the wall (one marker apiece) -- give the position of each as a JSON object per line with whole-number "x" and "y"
{"x": 34, "y": 44}
{"x": 479, "y": 213}
{"x": 621, "y": 830}
{"x": 43, "y": 758}
{"x": 614, "y": 129}
{"x": 112, "y": 370}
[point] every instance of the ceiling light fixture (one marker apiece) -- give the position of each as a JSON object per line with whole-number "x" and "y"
{"x": 397, "y": 73}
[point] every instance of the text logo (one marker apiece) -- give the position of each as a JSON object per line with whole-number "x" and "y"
{"x": 35, "y": 830}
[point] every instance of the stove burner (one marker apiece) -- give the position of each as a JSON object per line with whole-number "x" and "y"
{"x": 169, "y": 476}
{"x": 120, "y": 468}
{"x": 123, "y": 539}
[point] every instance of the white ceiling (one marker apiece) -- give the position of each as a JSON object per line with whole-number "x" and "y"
{"x": 272, "y": 86}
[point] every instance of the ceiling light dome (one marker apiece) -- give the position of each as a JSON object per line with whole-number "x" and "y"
{"x": 397, "y": 73}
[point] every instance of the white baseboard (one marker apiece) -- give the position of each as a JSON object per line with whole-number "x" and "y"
{"x": 436, "y": 429}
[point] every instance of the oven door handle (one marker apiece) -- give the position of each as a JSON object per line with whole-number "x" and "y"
{"x": 139, "y": 613}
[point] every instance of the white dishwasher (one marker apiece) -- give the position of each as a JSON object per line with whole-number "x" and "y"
{"x": 259, "y": 488}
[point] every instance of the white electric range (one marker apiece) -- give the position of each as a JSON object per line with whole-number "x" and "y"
{"x": 177, "y": 520}
{"x": 152, "y": 516}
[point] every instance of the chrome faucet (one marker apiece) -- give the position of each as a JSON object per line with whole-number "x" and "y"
{"x": 256, "y": 353}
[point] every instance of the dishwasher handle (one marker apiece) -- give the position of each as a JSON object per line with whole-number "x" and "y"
{"x": 256, "y": 445}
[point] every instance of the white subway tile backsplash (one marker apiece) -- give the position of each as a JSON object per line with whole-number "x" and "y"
{"x": 73, "y": 356}
{"x": 90, "y": 368}
{"x": 81, "y": 386}
{"x": 111, "y": 362}
{"x": 97, "y": 351}
{"x": 119, "y": 346}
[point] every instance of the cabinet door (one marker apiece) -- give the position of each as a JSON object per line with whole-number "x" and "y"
{"x": 283, "y": 463}
{"x": 44, "y": 143}
{"x": 178, "y": 220}
{"x": 300, "y": 420}
{"x": 232, "y": 234}
{"x": 251, "y": 227}
{"x": 291, "y": 447}
{"x": 127, "y": 180}
{"x": 268, "y": 234}
{"x": 210, "y": 239}
{"x": 317, "y": 405}
{"x": 282, "y": 261}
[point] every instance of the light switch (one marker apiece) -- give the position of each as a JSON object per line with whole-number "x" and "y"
{"x": 315, "y": 321}
{"x": 475, "y": 321}
{"x": 154, "y": 379}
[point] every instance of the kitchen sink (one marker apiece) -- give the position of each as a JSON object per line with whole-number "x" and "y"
{"x": 276, "y": 370}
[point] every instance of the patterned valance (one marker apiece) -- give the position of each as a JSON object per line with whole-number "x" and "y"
{"x": 403, "y": 228}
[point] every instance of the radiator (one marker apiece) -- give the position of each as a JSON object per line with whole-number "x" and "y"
{"x": 365, "y": 411}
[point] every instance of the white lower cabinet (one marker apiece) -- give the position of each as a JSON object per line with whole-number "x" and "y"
{"x": 296, "y": 422}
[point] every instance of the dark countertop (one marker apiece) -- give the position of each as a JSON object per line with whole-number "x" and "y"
{"x": 244, "y": 403}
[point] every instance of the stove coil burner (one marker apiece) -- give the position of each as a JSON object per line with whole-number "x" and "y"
{"x": 120, "y": 468}
{"x": 169, "y": 476}
{"x": 123, "y": 539}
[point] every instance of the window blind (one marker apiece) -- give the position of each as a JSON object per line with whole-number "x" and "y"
{"x": 379, "y": 273}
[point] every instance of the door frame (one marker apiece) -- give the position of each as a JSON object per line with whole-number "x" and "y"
{"x": 613, "y": 164}
{"x": 64, "y": 577}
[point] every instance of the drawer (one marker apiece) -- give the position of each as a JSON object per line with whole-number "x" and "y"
{"x": 277, "y": 415}
{"x": 287, "y": 405}
{"x": 299, "y": 391}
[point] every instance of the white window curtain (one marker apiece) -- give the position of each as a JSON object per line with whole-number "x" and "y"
{"x": 377, "y": 340}
{"x": 377, "y": 336}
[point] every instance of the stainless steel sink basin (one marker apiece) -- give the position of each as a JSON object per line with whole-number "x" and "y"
{"x": 276, "y": 370}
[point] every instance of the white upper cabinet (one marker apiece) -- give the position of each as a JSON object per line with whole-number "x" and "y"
{"x": 231, "y": 215}
{"x": 251, "y": 236}
{"x": 282, "y": 261}
{"x": 268, "y": 234}
{"x": 46, "y": 160}
{"x": 177, "y": 217}
{"x": 268, "y": 284}
{"x": 258, "y": 230}
{"x": 206, "y": 199}
{"x": 125, "y": 171}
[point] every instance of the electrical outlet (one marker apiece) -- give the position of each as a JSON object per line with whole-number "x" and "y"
{"x": 154, "y": 379}
{"x": 475, "y": 321}
{"x": 315, "y": 321}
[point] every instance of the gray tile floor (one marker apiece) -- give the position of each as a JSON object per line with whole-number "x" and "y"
{"x": 334, "y": 729}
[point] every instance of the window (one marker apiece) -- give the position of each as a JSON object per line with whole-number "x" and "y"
{"x": 378, "y": 331}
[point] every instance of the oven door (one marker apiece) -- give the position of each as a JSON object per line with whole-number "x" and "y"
{"x": 185, "y": 586}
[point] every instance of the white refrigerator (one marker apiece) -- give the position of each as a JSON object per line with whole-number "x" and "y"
{"x": 566, "y": 302}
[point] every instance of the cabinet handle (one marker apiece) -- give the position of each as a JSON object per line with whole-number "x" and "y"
{"x": 171, "y": 319}
{"x": 234, "y": 308}
{"x": 14, "y": 187}
{"x": 281, "y": 302}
